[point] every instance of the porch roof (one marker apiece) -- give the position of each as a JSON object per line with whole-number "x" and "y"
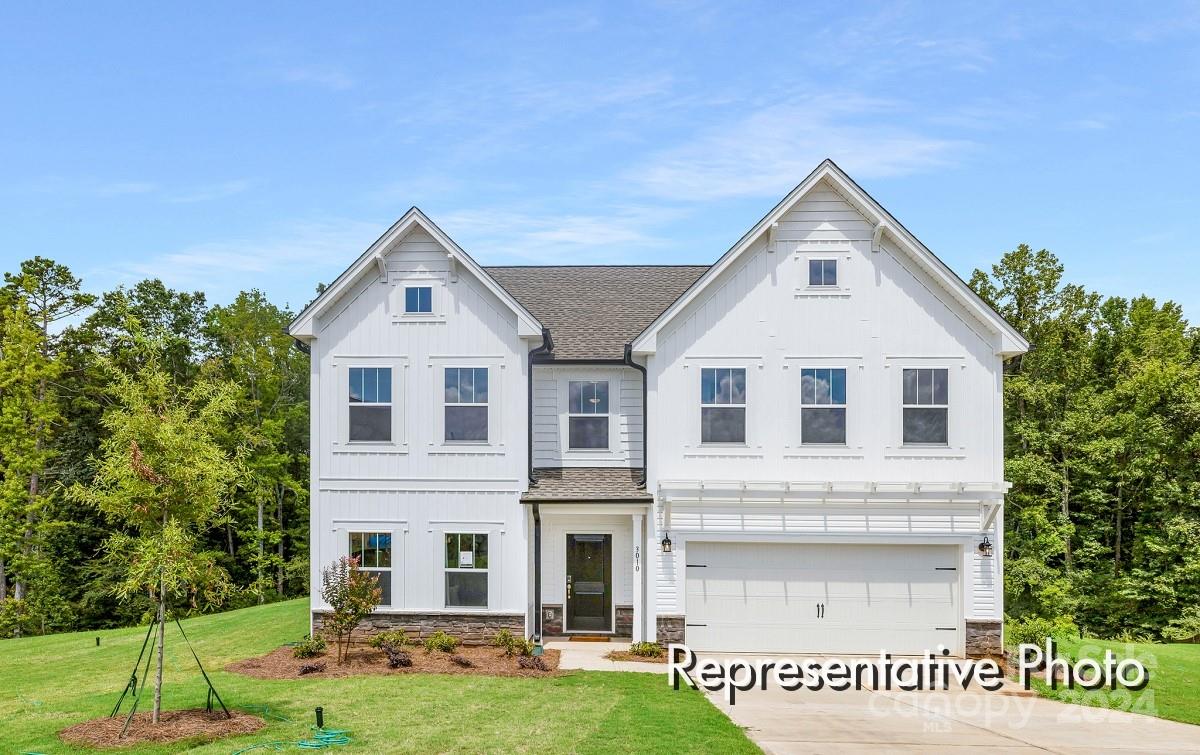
{"x": 596, "y": 484}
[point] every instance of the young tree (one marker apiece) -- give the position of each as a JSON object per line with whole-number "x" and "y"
{"x": 162, "y": 472}
{"x": 352, "y": 594}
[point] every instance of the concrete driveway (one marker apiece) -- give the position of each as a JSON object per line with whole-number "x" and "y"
{"x": 876, "y": 721}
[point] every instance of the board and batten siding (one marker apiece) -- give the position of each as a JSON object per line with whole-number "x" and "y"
{"x": 884, "y": 315}
{"x": 417, "y": 486}
{"x": 550, "y": 433}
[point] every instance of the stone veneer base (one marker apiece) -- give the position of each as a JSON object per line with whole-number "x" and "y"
{"x": 670, "y": 629}
{"x": 470, "y": 628}
{"x": 984, "y": 638}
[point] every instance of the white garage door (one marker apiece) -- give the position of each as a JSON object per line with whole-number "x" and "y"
{"x": 808, "y": 598}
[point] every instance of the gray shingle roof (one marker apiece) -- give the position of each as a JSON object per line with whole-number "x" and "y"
{"x": 586, "y": 484}
{"x": 593, "y": 311}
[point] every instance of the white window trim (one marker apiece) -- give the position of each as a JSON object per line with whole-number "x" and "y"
{"x": 341, "y": 365}
{"x": 495, "y": 445}
{"x": 447, "y": 569}
{"x": 446, "y": 404}
{"x": 855, "y": 419}
{"x": 606, "y": 450}
{"x": 744, "y": 406}
{"x": 378, "y": 569}
{"x": 846, "y": 406}
{"x": 438, "y": 295}
{"x": 836, "y": 272}
{"x": 946, "y": 406}
{"x": 841, "y": 255}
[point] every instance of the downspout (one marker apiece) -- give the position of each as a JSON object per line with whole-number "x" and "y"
{"x": 545, "y": 348}
{"x": 645, "y": 414}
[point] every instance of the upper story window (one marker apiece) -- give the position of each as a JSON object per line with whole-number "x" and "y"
{"x": 374, "y": 553}
{"x": 466, "y": 570}
{"x": 926, "y": 406}
{"x": 466, "y": 404}
{"x": 371, "y": 404}
{"x": 723, "y": 405}
{"x": 822, "y": 406}
{"x": 822, "y": 272}
{"x": 418, "y": 300}
{"x": 587, "y": 414}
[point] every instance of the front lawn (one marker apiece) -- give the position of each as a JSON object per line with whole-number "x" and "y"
{"x": 1174, "y": 689}
{"x": 52, "y": 682}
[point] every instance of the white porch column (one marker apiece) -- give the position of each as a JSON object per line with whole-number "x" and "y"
{"x": 650, "y": 558}
{"x": 639, "y": 570}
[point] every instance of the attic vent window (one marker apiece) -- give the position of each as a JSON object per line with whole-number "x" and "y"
{"x": 822, "y": 272}
{"x": 418, "y": 300}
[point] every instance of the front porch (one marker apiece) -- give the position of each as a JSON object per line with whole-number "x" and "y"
{"x": 588, "y": 541}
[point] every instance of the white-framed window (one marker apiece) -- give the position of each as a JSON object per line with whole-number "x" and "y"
{"x": 587, "y": 414}
{"x": 466, "y": 569}
{"x": 466, "y": 405}
{"x": 723, "y": 405}
{"x": 418, "y": 300}
{"x": 822, "y": 272}
{"x": 374, "y": 553}
{"x": 822, "y": 406}
{"x": 370, "y": 405}
{"x": 926, "y": 401}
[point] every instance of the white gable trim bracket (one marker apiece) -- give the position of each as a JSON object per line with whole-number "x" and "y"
{"x": 1009, "y": 342}
{"x": 304, "y": 326}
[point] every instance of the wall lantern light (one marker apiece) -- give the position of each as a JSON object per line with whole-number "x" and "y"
{"x": 666, "y": 543}
{"x": 985, "y": 548}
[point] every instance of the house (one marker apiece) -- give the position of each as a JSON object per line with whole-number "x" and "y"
{"x": 798, "y": 448}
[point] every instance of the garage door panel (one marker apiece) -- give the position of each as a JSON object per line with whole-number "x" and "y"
{"x": 763, "y": 597}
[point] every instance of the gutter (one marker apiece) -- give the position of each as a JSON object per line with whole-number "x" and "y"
{"x": 628, "y": 361}
{"x": 545, "y": 349}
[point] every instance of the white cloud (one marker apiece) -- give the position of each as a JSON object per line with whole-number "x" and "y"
{"x": 499, "y": 236}
{"x": 766, "y": 152}
{"x": 210, "y": 192}
{"x": 327, "y": 77}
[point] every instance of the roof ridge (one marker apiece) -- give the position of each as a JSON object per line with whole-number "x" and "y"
{"x": 620, "y": 265}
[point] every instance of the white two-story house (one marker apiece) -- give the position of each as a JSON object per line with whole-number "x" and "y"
{"x": 796, "y": 449}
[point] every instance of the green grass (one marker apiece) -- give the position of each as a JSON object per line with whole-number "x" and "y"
{"x": 52, "y": 682}
{"x": 1173, "y": 691}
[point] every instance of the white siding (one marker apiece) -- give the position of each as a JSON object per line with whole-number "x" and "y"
{"x": 884, "y": 315}
{"x": 550, "y": 417}
{"x": 417, "y": 486}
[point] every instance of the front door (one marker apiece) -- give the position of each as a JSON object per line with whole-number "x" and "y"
{"x": 589, "y": 583}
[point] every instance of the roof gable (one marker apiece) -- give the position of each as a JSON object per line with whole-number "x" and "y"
{"x": 1009, "y": 340}
{"x": 372, "y": 262}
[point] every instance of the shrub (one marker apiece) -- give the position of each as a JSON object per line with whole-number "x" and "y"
{"x": 534, "y": 662}
{"x": 463, "y": 661}
{"x": 646, "y": 649}
{"x": 352, "y": 594}
{"x": 397, "y": 658}
{"x": 312, "y": 668}
{"x": 511, "y": 644}
{"x": 309, "y": 647}
{"x": 1034, "y": 630}
{"x": 1184, "y": 628}
{"x": 442, "y": 642}
{"x": 396, "y": 638}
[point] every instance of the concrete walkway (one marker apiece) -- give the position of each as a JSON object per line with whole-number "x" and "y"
{"x": 955, "y": 722}
{"x": 589, "y": 656}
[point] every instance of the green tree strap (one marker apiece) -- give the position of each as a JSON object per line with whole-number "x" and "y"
{"x": 211, "y": 688}
{"x": 133, "y": 677}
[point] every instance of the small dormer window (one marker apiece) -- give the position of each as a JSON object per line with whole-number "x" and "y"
{"x": 822, "y": 272}
{"x": 418, "y": 300}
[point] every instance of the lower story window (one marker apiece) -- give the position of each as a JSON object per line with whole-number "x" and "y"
{"x": 466, "y": 570}
{"x": 374, "y": 553}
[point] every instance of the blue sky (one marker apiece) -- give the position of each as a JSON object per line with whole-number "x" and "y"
{"x": 228, "y": 146}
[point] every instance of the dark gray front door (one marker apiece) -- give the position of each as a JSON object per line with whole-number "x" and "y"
{"x": 589, "y": 583}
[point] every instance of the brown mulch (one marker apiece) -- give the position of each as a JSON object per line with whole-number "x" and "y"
{"x": 173, "y": 726}
{"x": 625, "y": 655}
{"x": 486, "y": 660}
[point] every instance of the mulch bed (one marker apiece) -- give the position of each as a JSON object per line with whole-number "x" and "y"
{"x": 488, "y": 661}
{"x": 173, "y": 726}
{"x": 625, "y": 655}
